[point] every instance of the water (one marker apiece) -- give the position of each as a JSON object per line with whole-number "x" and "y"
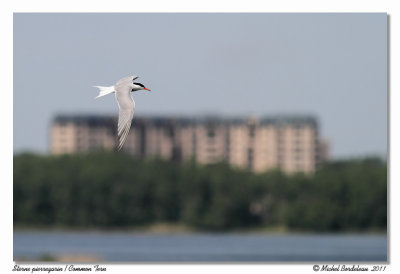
{"x": 141, "y": 247}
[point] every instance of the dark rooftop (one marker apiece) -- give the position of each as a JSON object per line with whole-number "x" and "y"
{"x": 276, "y": 120}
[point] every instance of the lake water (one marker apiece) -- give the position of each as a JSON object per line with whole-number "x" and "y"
{"x": 142, "y": 247}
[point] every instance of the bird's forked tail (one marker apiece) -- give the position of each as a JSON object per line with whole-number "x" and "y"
{"x": 104, "y": 90}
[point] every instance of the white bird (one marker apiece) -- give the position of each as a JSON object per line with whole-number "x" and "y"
{"x": 122, "y": 90}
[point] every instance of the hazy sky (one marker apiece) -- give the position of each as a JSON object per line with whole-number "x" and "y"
{"x": 333, "y": 66}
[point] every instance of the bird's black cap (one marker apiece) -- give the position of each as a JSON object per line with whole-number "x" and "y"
{"x": 139, "y": 84}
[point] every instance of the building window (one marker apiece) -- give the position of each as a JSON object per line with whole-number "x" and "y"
{"x": 252, "y": 131}
{"x": 250, "y": 157}
{"x": 211, "y": 150}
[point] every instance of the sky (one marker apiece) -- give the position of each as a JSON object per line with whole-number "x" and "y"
{"x": 332, "y": 66}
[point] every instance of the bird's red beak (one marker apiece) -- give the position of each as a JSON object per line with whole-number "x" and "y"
{"x": 147, "y": 89}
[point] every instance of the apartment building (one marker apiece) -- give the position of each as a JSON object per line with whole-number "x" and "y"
{"x": 72, "y": 134}
{"x": 291, "y": 144}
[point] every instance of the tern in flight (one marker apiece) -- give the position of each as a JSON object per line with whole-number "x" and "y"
{"x": 122, "y": 90}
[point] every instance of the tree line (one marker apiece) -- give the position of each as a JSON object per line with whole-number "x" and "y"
{"x": 114, "y": 190}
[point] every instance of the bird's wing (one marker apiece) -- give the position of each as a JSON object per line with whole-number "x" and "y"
{"x": 126, "y": 109}
{"x": 128, "y": 79}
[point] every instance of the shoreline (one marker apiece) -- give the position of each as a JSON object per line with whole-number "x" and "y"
{"x": 178, "y": 229}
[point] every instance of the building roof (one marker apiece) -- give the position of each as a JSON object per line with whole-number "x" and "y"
{"x": 276, "y": 120}
{"x": 91, "y": 120}
{"x": 281, "y": 120}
